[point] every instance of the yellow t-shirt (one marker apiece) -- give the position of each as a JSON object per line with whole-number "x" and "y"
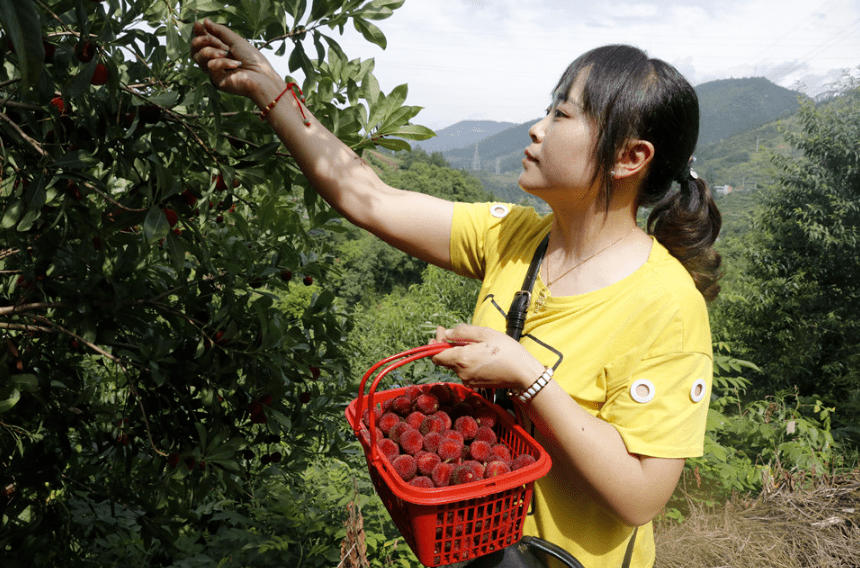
{"x": 648, "y": 330}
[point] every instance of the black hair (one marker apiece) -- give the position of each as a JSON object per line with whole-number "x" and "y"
{"x": 630, "y": 96}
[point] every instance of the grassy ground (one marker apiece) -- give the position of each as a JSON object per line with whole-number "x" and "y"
{"x": 787, "y": 527}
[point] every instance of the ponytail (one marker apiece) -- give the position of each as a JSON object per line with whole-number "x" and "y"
{"x": 687, "y": 223}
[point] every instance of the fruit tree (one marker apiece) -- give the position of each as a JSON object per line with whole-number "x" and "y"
{"x": 152, "y": 233}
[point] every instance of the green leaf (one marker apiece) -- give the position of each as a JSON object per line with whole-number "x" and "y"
{"x": 20, "y": 20}
{"x": 12, "y": 214}
{"x": 370, "y": 32}
{"x": 9, "y": 397}
{"x": 26, "y": 382}
{"x": 393, "y": 144}
{"x": 381, "y": 9}
{"x": 322, "y": 8}
{"x": 155, "y": 225}
{"x": 411, "y": 132}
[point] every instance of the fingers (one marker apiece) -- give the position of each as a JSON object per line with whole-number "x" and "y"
{"x": 227, "y": 36}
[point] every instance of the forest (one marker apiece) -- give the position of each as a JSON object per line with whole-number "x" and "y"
{"x": 184, "y": 321}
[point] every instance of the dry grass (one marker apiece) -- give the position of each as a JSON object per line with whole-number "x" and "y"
{"x": 787, "y": 528}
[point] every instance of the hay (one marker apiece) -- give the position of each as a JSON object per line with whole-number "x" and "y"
{"x": 800, "y": 528}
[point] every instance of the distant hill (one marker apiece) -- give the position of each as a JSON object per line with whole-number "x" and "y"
{"x": 461, "y": 134}
{"x": 733, "y": 106}
{"x": 728, "y": 107}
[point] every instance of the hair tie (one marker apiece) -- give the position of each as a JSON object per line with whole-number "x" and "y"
{"x": 686, "y": 176}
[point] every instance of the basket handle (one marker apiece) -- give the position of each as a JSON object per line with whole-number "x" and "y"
{"x": 393, "y": 362}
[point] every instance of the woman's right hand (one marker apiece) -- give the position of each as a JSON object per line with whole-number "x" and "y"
{"x": 233, "y": 64}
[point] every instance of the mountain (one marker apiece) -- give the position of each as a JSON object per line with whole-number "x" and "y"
{"x": 728, "y": 107}
{"x": 732, "y": 106}
{"x": 461, "y": 134}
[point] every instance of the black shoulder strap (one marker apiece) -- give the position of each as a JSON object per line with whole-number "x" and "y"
{"x": 516, "y": 317}
{"x": 520, "y": 305}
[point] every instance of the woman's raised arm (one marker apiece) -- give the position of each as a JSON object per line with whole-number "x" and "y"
{"x": 416, "y": 223}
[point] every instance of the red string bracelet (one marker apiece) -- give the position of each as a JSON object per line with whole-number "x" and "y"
{"x": 289, "y": 88}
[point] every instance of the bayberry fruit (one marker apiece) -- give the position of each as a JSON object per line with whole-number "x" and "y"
{"x": 100, "y": 75}
{"x": 85, "y": 51}
{"x": 308, "y": 280}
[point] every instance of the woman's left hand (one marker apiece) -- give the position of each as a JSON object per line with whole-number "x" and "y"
{"x": 489, "y": 358}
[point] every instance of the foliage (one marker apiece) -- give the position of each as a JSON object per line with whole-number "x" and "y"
{"x": 370, "y": 267}
{"x": 747, "y": 441}
{"x": 152, "y": 233}
{"x": 754, "y": 444}
{"x": 796, "y": 310}
{"x": 399, "y": 322}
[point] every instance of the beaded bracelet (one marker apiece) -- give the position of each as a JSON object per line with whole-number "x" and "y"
{"x": 542, "y": 381}
{"x": 289, "y": 88}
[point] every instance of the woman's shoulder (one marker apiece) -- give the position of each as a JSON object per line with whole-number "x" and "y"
{"x": 668, "y": 283}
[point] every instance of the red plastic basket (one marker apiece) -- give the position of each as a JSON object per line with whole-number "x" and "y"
{"x": 450, "y": 524}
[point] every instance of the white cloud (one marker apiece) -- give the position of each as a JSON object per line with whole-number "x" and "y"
{"x": 500, "y": 59}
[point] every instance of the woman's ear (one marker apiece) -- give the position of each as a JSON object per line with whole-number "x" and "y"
{"x": 634, "y": 159}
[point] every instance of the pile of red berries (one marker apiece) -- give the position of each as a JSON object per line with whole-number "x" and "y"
{"x": 434, "y": 437}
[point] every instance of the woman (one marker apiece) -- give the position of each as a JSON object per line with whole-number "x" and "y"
{"x": 617, "y": 330}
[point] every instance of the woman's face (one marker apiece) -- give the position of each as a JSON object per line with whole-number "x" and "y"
{"x": 560, "y": 159}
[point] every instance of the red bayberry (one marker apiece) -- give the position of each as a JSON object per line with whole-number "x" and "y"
{"x": 426, "y": 461}
{"x": 415, "y": 419}
{"x": 442, "y": 392}
{"x": 308, "y": 280}
{"x": 173, "y": 460}
{"x": 467, "y": 426}
{"x": 412, "y": 441}
{"x": 485, "y": 417}
{"x": 432, "y": 441}
{"x": 85, "y": 51}
{"x": 412, "y": 392}
{"x": 405, "y": 466}
{"x": 500, "y": 452}
{"x": 388, "y": 448}
{"x": 315, "y": 373}
{"x": 100, "y": 75}
{"x": 387, "y": 421}
{"x": 441, "y": 474}
{"x": 496, "y": 468}
{"x": 422, "y": 481}
{"x": 172, "y": 217}
{"x": 450, "y": 449}
{"x": 486, "y": 435}
{"x": 401, "y": 405}
{"x": 50, "y": 50}
{"x": 432, "y": 423}
{"x": 59, "y": 104}
{"x": 286, "y": 275}
{"x": 479, "y": 450}
{"x": 521, "y": 461}
{"x": 398, "y": 431}
{"x": 427, "y": 403}
{"x": 305, "y": 397}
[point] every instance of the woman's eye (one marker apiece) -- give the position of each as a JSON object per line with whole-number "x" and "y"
{"x": 559, "y": 114}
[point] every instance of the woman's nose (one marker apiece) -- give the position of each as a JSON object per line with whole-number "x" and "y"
{"x": 537, "y": 130}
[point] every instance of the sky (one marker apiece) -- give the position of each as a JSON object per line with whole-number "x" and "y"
{"x": 500, "y": 59}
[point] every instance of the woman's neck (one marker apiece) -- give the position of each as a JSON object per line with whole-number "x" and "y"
{"x": 591, "y": 247}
